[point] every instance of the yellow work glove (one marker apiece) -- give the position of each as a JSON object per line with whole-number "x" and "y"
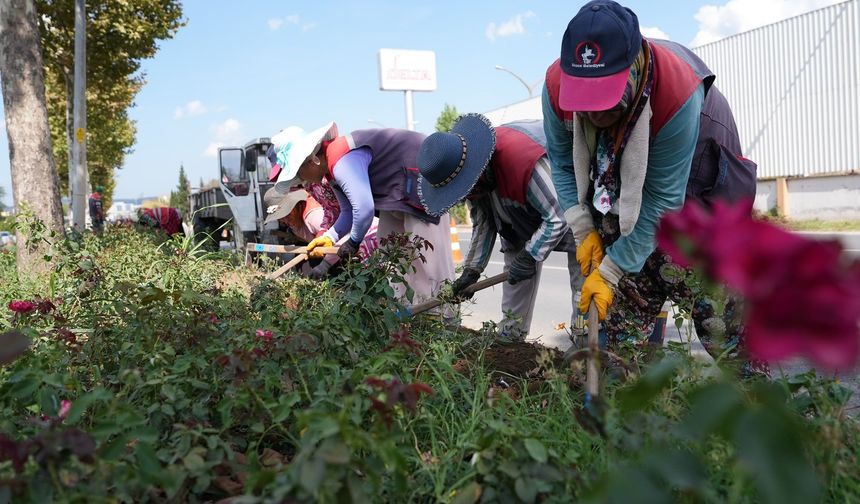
{"x": 589, "y": 253}
{"x": 319, "y": 241}
{"x": 596, "y": 289}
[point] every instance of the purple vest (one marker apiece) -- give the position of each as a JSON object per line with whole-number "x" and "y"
{"x": 393, "y": 171}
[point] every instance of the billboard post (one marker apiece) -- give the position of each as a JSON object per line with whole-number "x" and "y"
{"x": 407, "y": 71}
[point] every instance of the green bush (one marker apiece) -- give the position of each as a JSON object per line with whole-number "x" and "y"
{"x": 158, "y": 375}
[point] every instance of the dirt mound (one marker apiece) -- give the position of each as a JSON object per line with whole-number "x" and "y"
{"x": 519, "y": 358}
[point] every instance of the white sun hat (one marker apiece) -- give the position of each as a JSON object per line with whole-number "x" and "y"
{"x": 292, "y": 146}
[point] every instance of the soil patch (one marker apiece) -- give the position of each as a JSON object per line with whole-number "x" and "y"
{"x": 519, "y": 358}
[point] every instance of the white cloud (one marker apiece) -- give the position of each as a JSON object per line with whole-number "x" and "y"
{"x": 513, "y": 26}
{"x": 227, "y": 128}
{"x": 735, "y": 16}
{"x": 653, "y": 32}
{"x": 190, "y": 109}
{"x": 228, "y": 132}
{"x": 304, "y": 25}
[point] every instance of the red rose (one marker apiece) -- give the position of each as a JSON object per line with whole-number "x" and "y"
{"x": 801, "y": 298}
{"x": 22, "y": 306}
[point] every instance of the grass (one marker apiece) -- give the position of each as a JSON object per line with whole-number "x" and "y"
{"x": 815, "y": 225}
{"x": 822, "y": 225}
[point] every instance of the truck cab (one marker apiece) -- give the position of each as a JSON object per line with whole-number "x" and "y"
{"x": 243, "y": 180}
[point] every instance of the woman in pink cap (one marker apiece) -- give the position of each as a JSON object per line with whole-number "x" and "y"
{"x": 634, "y": 126}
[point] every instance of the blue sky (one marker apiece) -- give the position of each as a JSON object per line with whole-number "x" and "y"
{"x": 234, "y": 73}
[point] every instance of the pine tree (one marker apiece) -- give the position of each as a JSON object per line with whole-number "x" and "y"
{"x": 179, "y": 197}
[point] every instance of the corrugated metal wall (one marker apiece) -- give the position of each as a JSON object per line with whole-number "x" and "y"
{"x": 794, "y": 87}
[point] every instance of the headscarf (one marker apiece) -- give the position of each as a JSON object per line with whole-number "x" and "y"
{"x": 607, "y": 145}
{"x": 324, "y": 194}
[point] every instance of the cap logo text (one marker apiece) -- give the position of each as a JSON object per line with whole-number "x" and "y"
{"x": 587, "y": 55}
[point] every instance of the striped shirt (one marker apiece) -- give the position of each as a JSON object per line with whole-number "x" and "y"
{"x": 538, "y": 226}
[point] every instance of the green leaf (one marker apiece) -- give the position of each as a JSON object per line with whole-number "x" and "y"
{"x": 468, "y": 494}
{"x": 678, "y": 467}
{"x": 334, "y": 452}
{"x": 526, "y": 489}
{"x": 81, "y": 404}
{"x": 652, "y": 383}
{"x": 147, "y": 461}
{"x": 312, "y": 474}
{"x": 285, "y": 406}
{"x": 713, "y": 408}
{"x": 326, "y": 427}
{"x": 24, "y": 388}
{"x": 767, "y": 444}
{"x": 116, "y": 447}
{"x": 13, "y": 344}
{"x": 194, "y": 462}
{"x": 225, "y": 412}
{"x": 536, "y": 449}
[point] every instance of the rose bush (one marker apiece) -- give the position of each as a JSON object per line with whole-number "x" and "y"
{"x": 163, "y": 376}
{"x": 801, "y": 297}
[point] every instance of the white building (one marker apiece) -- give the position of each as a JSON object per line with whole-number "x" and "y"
{"x": 794, "y": 87}
{"x": 121, "y": 210}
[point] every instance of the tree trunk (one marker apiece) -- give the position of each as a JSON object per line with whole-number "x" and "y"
{"x": 34, "y": 179}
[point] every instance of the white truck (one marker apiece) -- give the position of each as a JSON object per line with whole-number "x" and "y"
{"x": 236, "y": 204}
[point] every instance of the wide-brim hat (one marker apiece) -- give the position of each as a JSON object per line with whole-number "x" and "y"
{"x": 291, "y": 147}
{"x": 279, "y": 204}
{"x": 450, "y": 164}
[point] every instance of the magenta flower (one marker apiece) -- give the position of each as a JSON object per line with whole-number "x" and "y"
{"x": 266, "y": 335}
{"x": 801, "y": 298}
{"x": 22, "y": 306}
{"x": 65, "y": 407}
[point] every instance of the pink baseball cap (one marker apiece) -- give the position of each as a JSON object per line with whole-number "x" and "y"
{"x": 600, "y": 44}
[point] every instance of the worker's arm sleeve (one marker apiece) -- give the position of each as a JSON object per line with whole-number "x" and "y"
{"x": 669, "y": 161}
{"x": 559, "y": 150}
{"x": 352, "y": 188}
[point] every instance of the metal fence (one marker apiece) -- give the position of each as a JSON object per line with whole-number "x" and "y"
{"x": 794, "y": 87}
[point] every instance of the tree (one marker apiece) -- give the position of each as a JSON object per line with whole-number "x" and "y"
{"x": 120, "y": 35}
{"x": 446, "y": 118}
{"x": 34, "y": 177}
{"x": 179, "y": 197}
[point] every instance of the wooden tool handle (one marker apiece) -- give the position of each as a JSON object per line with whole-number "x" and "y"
{"x": 303, "y": 249}
{"x": 287, "y": 267}
{"x": 592, "y": 385}
{"x": 475, "y": 287}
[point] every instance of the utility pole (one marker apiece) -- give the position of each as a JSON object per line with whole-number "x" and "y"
{"x": 79, "y": 145}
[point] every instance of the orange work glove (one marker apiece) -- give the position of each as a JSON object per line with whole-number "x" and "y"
{"x": 596, "y": 289}
{"x": 319, "y": 241}
{"x": 589, "y": 253}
